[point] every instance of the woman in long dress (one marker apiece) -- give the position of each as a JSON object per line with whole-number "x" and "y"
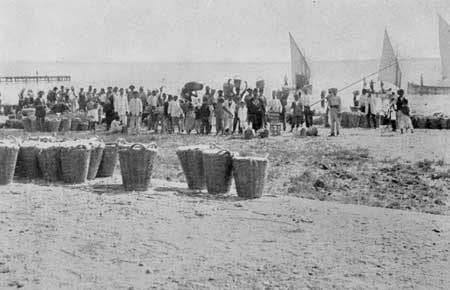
{"x": 403, "y": 118}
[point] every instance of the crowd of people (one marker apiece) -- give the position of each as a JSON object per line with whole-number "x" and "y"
{"x": 391, "y": 107}
{"x": 224, "y": 112}
{"x": 202, "y": 112}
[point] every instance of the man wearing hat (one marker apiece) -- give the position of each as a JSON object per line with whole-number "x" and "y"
{"x": 334, "y": 103}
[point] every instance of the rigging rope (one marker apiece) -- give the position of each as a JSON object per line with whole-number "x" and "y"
{"x": 358, "y": 81}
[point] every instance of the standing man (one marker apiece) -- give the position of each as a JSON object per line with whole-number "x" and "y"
{"x": 40, "y": 111}
{"x": 135, "y": 113}
{"x": 121, "y": 105}
{"x": 371, "y": 110}
{"x": 230, "y": 108}
{"x": 306, "y": 101}
{"x": 334, "y": 103}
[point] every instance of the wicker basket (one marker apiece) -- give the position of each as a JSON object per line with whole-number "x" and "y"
{"x": 217, "y": 164}
{"x": 27, "y": 165}
{"x": 136, "y": 165}
{"x": 312, "y": 132}
{"x": 75, "y": 162}
{"x": 50, "y": 162}
{"x": 96, "y": 159}
{"x": 109, "y": 160}
{"x": 8, "y": 159}
{"x": 30, "y": 124}
{"x": 249, "y": 175}
{"x": 191, "y": 159}
{"x": 75, "y": 123}
{"x": 65, "y": 124}
{"x": 84, "y": 126}
{"x": 52, "y": 125}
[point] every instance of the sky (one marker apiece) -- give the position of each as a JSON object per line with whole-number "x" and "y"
{"x": 215, "y": 30}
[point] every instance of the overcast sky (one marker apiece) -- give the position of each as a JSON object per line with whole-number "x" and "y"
{"x": 215, "y": 30}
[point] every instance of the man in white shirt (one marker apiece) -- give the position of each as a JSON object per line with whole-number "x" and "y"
{"x": 306, "y": 101}
{"x": 135, "y": 108}
{"x": 175, "y": 112}
{"x": 121, "y": 105}
{"x": 230, "y": 110}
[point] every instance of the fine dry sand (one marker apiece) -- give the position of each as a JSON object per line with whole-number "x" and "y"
{"x": 96, "y": 236}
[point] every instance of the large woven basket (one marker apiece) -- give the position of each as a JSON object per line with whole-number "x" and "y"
{"x": 96, "y": 159}
{"x": 8, "y": 158}
{"x": 136, "y": 165}
{"x": 50, "y": 161}
{"x": 27, "y": 165}
{"x": 65, "y": 124}
{"x": 52, "y": 125}
{"x": 29, "y": 124}
{"x": 191, "y": 159}
{"x": 75, "y": 123}
{"x": 84, "y": 126}
{"x": 75, "y": 163}
{"x": 217, "y": 164}
{"x": 109, "y": 160}
{"x": 249, "y": 175}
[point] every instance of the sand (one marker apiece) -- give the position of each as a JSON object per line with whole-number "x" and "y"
{"x": 96, "y": 236}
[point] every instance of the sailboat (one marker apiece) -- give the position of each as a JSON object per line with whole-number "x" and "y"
{"x": 301, "y": 72}
{"x": 389, "y": 71}
{"x": 444, "y": 47}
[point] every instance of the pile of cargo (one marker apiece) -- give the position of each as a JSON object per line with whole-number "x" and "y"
{"x": 214, "y": 168}
{"x": 75, "y": 161}
{"x": 52, "y": 123}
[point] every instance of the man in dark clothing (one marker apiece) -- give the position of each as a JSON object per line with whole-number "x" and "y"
{"x": 205, "y": 113}
{"x": 82, "y": 100}
{"x": 40, "y": 111}
{"x": 51, "y": 96}
{"x": 108, "y": 108}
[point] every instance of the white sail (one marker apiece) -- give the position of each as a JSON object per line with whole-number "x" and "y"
{"x": 389, "y": 66}
{"x": 444, "y": 46}
{"x": 300, "y": 69}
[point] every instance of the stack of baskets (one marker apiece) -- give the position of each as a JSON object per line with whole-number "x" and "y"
{"x": 30, "y": 124}
{"x": 214, "y": 168}
{"x": 274, "y": 124}
{"x": 70, "y": 161}
{"x": 191, "y": 159}
{"x": 9, "y": 149}
{"x": 136, "y": 165}
{"x": 109, "y": 160}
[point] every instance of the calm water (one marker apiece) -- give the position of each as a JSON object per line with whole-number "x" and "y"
{"x": 174, "y": 75}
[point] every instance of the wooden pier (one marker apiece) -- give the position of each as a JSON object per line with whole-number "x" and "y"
{"x": 36, "y": 79}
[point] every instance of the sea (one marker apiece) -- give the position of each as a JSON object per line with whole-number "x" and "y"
{"x": 324, "y": 74}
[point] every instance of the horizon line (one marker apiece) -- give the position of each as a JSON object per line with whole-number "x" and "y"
{"x": 201, "y": 62}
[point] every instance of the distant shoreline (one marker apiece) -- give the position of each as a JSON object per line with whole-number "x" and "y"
{"x": 213, "y": 62}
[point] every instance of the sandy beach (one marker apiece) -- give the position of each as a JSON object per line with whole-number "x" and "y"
{"x": 329, "y": 219}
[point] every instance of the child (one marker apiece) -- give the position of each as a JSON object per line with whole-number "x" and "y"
{"x": 190, "y": 118}
{"x": 116, "y": 126}
{"x": 92, "y": 108}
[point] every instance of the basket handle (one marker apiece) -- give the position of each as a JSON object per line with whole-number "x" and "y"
{"x": 142, "y": 147}
{"x": 121, "y": 141}
{"x": 153, "y": 145}
{"x": 81, "y": 146}
{"x": 13, "y": 139}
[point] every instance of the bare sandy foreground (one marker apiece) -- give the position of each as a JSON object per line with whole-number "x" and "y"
{"x": 96, "y": 236}
{"x": 89, "y": 237}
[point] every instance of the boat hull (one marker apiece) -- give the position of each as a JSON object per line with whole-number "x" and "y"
{"x": 415, "y": 89}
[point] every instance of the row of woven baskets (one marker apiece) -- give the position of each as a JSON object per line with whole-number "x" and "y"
{"x": 213, "y": 168}
{"x": 75, "y": 161}
{"x": 356, "y": 120}
{"x": 70, "y": 161}
{"x": 63, "y": 124}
